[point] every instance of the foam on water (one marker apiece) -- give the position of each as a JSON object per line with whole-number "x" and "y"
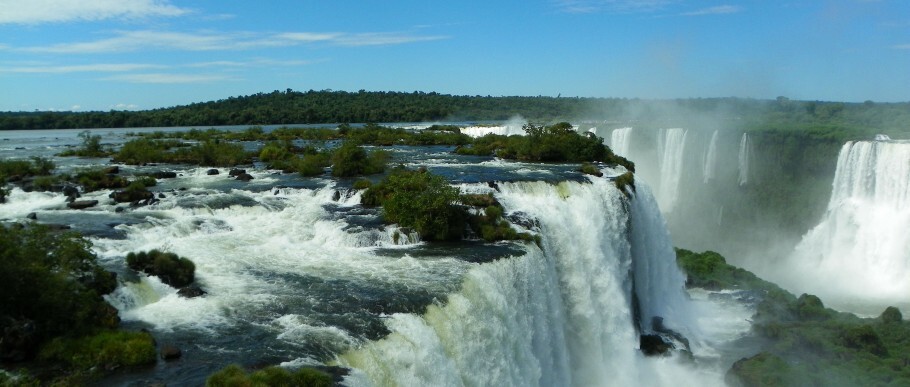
{"x": 671, "y": 148}
{"x": 620, "y": 140}
{"x": 20, "y": 203}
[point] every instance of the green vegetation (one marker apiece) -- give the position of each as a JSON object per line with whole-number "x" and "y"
{"x": 428, "y": 204}
{"x": 99, "y": 178}
{"x": 91, "y": 147}
{"x": 362, "y": 184}
{"x": 234, "y": 376}
{"x": 625, "y": 180}
{"x": 590, "y": 169}
{"x": 419, "y": 200}
{"x": 105, "y": 349}
{"x": 169, "y": 267}
{"x": 213, "y": 153}
{"x": 14, "y": 170}
{"x": 808, "y": 344}
{"x": 352, "y": 160}
{"x": 135, "y": 191}
{"x": 554, "y": 143}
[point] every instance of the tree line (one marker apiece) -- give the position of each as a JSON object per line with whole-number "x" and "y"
{"x": 328, "y": 106}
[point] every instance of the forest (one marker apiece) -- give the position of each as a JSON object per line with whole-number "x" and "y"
{"x": 842, "y": 120}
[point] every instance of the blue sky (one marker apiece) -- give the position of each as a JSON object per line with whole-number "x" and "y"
{"x": 143, "y": 54}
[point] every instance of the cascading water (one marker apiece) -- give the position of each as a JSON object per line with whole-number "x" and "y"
{"x": 671, "y": 147}
{"x": 709, "y": 172}
{"x": 861, "y": 244}
{"x": 561, "y": 314}
{"x": 620, "y": 139}
{"x": 745, "y": 157}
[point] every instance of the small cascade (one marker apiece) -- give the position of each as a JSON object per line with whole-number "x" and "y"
{"x": 561, "y": 314}
{"x": 709, "y": 172}
{"x": 620, "y": 139}
{"x": 861, "y": 244}
{"x": 671, "y": 148}
{"x": 745, "y": 158}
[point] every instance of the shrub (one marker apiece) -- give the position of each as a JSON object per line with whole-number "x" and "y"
{"x": 312, "y": 164}
{"x": 96, "y": 179}
{"x": 91, "y": 146}
{"x": 52, "y": 280}
{"x": 134, "y": 192}
{"x": 625, "y": 180}
{"x": 419, "y": 200}
{"x": 362, "y": 184}
{"x": 590, "y": 169}
{"x": 352, "y": 160}
{"x": 891, "y": 315}
{"x": 106, "y": 350}
{"x": 38, "y": 166}
{"x": 234, "y": 376}
{"x": 169, "y": 267}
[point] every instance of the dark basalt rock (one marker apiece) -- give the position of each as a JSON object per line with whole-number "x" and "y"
{"x": 82, "y": 204}
{"x": 244, "y": 177}
{"x": 336, "y": 196}
{"x": 191, "y": 291}
{"x": 169, "y": 352}
{"x": 130, "y": 196}
{"x": 161, "y": 196}
{"x": 70, "y": 191}
{"x": 212, "y": 172}
{"x": 654, "y": 345}
{"x": 164, "y": 175}
{"x": 234, "y": 172}
{"x": 112, "y": 170}
{"x": 32, "y": 216}
{"x": 119, "y": 209}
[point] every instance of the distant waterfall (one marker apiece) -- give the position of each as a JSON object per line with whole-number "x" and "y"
{"x": 619, "y": 141}
{"x": 745, "y": 157}
{"x": 671, "y": 147}
{"x": 709, "y": 172}
{"x": 560, "y": 315}
{"x": 861, "y": 249}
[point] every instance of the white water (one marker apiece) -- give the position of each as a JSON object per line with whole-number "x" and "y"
{"x": 745, "y": 158}
{"x": 620, "y": 139}
{"x": 671, "y": 148}
{"x": 709, "y": 172}
{"x": 515, "y": 126}
{"x": 556, "y": 316}
{"x": 860, "y": 252}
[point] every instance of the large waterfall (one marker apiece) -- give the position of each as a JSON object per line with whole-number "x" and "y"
{"x": 620, "y": 139}
{"x": 709, "y": 171}
{"x": 671, "y": 148}
{"x": 560, "y": 315}
{"x": 745, "y": 158}
{"x": 861, "y": 244}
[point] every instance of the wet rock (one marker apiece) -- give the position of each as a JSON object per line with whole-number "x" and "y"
{"x": 654, "y": 345}
{"x": 161, "y": 195}
{"x": 32, "y": 216}
{"x": 336, "y": 196}
{"x": 56, "y": 227}
{"x": 212, "y": 172}
{"x": 130, "y": 195}
{"x": 164, "y": 175}
{"x": 191, "y": 291}
{"x": 112, "y": 170}
{"x": 234, "y": 172}
{"x": 493, "y": 185}
{"x": 244, "y": 177}
{"x": 119, "y": 209}
{"x": 82, "y": 204}
{"x": 70, "y": 191}
{"x": 169, "y": 352}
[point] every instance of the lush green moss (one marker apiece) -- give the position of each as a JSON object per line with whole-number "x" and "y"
{"x": 171, "y": 268}
{"x": 626, "y": 180}
{"x": 590, "y": 169}
{"x": 106, "y": 350}
{"x": 235, "y": 376}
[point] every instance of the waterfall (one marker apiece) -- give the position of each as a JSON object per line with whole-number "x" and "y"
{"x": 620, "y": 140}
{"x": 709, "y": 171}
{"x": 671, "y": 146}
{"x": 745, "y": 156}
{"x": 861, "y": 244}
{"x": 559, "y": 315}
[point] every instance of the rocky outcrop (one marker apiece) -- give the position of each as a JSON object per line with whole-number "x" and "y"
{"x": 82, "y": 204}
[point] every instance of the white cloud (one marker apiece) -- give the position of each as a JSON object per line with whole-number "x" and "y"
{"x": 129, "y": 41}
{"x": 718, "y": 10}
{"x": 100, "y": 67}
{"x": 124, "y": 106}
{"x": 56, "y": 11}
{"x": 613, "y": 6}
{"x": 75, "y": 108}
{"x": 167, "y": 78}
